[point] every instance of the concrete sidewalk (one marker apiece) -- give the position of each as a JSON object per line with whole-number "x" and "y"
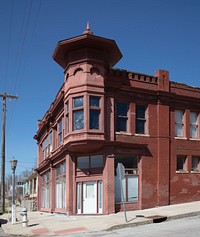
{"x": 46, "y": 224}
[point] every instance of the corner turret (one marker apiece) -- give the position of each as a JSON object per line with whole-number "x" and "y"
{"x": 87, "y": 47}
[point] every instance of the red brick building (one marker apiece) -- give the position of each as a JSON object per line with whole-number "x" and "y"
{"x": 103, "y": 116}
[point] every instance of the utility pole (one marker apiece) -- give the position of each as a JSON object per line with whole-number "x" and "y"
{"x": 4, "y": 96}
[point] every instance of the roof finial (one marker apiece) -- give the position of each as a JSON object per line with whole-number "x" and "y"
{"x": 88, "y": 31}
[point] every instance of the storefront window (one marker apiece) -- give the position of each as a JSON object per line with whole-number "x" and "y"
{"x": 83, "y": 162}
{"x": 61, "y": 186}
{"x": 130, "y": 182}
{"x": 90, "y": 162}
{"x": 46, "y": 190}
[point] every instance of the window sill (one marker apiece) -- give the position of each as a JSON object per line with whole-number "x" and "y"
{"x": 185, "y": 138}
{"x": 130, "y": 134}
{"x": 123, "y": 133}
{"x": 141, "y": 135}
{"x": 194, "y": 139}
{"x": 195, "y": 172}
{"x": 182, "y": 172}
{"x": 181, "y": 138}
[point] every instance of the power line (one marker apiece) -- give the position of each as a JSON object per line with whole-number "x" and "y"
{"x": 21, "y": 49}
{"x": 22, "y": 42}
{"x": 9, "y": 43}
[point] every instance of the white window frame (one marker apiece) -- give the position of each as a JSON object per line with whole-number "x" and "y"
{"x": 61, "y": 186}
{"x": 179, "y": 123}
{"x": 194, "y": 125}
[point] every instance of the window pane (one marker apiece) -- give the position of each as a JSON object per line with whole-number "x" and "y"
{"x": 79, "y": 197}
{"x": 122, "y": 109}
{"x": 47, "y": 200}
{"x": 132, "y": 188}
{"x": 180, "y": 163}
{"x": 83, "y": 162}
{"x": 178, "y": 130}
{"x": 129, "y": 162}
{"x": 97, "y": 161}
{"x": 45, "y": 190}
{"x": 140, "y": 111}
{"x": 58, "y": 170}
{"x": 60, "y": 138}
{"x": 58, "y": 195}
{"x": 64, "y": 167}
{"x": 195, "y": 163}
{"x": 178, "y": 116}
{"x": 193, "y": 124}
{"x": 121, "y": 124}
{"x": 94, "y": 119}
{"x": 78, "y": 119}
{"x": 60, "y": 126}
{"x": 193, "y": 132}
{"x": 45, "y": 143}
{"x": 94, "y": 101}
{"x": 100, "y": 195}
{"x": 64, "y": 194}
{"x": 193, "y": 118}
{"x": 50, "y": 142}
{"x": 140, "y": 119}
{"x": 122, "y": 116}
{"x": 140, "y": 126}
{"x": 67, "y": 107}
{"x": 89, "y": 190}
{"x": 67, "y": 123}
{"x": 47, "y": 176}
{"x": 78, "y": 102}
{"x": 118, "y": 192}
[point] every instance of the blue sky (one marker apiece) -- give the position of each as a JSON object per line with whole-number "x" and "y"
{"x": 151, "y": 34}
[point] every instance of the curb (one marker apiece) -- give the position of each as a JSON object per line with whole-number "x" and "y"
{"x": 179, "y": 216}
{"x": 129, "y": 225}
{"x": 151, "y": 221}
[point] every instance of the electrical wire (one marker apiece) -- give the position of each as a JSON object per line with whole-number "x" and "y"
{"x": 21, "y": 48}
{"x": 23, "y": 40}
{"x": 20, "y": 52}
{"x": 9, "y": 43}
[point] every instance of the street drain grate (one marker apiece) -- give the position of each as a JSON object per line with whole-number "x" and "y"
{"x": 157, "y": 219}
